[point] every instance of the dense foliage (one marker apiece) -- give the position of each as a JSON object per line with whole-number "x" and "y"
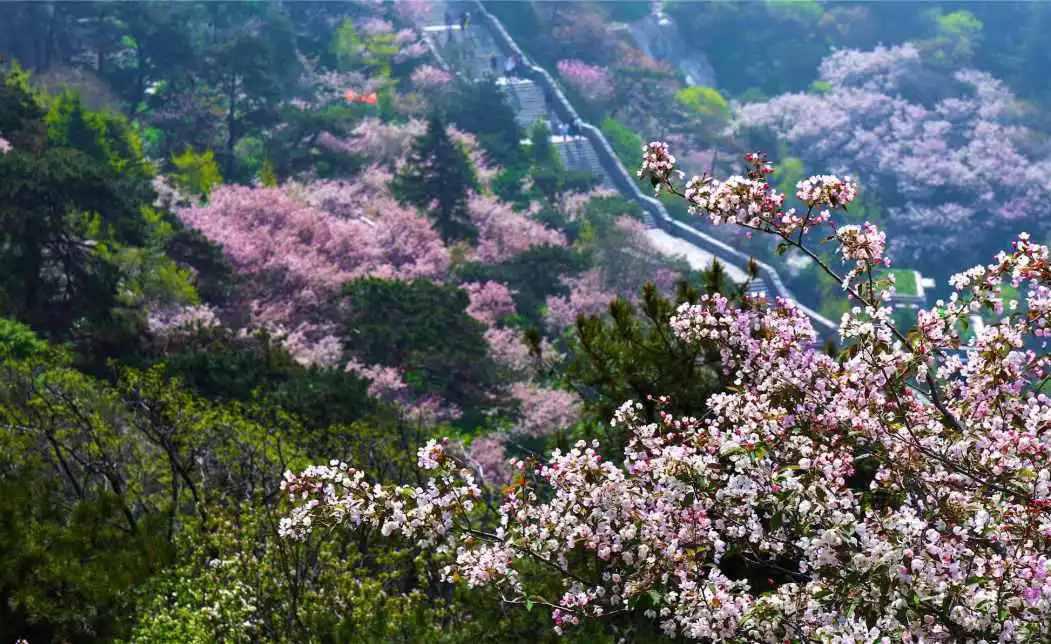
{"x": 310, "y": 333}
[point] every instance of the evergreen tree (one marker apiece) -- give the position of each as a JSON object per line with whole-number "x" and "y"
{"x": 437, "y": 179}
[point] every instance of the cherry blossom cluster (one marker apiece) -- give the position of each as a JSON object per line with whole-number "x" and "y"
{"x": 388, "y": 384}
{"x": 864, "y": 245}
{"x": 544, "y": 410}
{"x": 504, "y": 232}
{"x": 5, "y": 146}
{"x": 657, "y": 164}
{"x": 587, "y": 296}
{"x": 429, "y": 77}
{"x": 489, "y": 301}
{"x": 899, "y": 492}
{"x": 170, "y": 321}
{"x": 947, "y": 148}
{"x": 339, "y": 493}
{"x": 826, "y": 190}
{"x": 592, "y": 82}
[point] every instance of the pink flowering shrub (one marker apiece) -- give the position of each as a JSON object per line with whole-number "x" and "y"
{"x": 429, "y": 77}
{"x": 298, "y": 256}
{"x": 384, "y": 143}
{"x": 898, "y": 492}
{"x": 504, "y": 233}
{"x": 544, "y": 410}
{"x": 509, "y": 350}
{"x": 946, "y": 167}
{"x": 490, "y": 301}
{"x": 488, "y": 454}
{"x": 5, "y": 146}
{"x": 388, "y": 385}
{"x": 587, "y": 296}
{"x": 591, "y": 82}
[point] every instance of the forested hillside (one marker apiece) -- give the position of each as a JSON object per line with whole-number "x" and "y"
{"x": 319, "y": 324}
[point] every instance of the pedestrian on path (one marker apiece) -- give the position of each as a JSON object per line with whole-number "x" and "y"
{"x": 465, "y": 19}
{"x": 448, "y": 20}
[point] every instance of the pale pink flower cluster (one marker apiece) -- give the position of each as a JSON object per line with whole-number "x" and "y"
{"x": 489, "y": 301}
{"x": 429, "y": 77}
{"x": 387, "y": 384}
{"x": 881, "y": 69}
{"x": 592, "y": 82}
{"x": 375, "y": 27}
{"x": 573, "y": 204}
{"x": 658, "y": 164}
{"x": 311, "y": 349}
{"x": 386, "y": 143}
{"x": 504, "y": 233}
{"x": 5, "y": 146}
{"x": 419, "y": 513}
{"x": 489, "y": 456}
{"x": 899, "y": 492}
{"x": 587, "y": 296}
{"x": 543, "y": 410}
{"x": 509, "y": 350}
{"x": 947, "y": 167}
{"x": 167, "y": 322}
{"x": 864, "y": 245}
{"x": 483, "y": 169}
{"x": 826, "y": 190}
{"x": 299, "y": 256}
{"x": 414, "y": 11}
{"x": 413, "y": 51}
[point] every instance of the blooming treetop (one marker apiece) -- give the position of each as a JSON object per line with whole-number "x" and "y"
{"x": 593, "y": 83}
{"x": 900, "y": 492}
{"x": 945, "y": 167}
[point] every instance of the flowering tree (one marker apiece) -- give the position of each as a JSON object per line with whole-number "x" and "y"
{"x": 945, "y": 149}
{"x": 503, "y": 232}
{"x": 901, "y": 491}
{"x": 490, "y": 301}
{"x": 298, "y": 256}
{"x": 591, "y": 82}
{"x": 430, "y": 78}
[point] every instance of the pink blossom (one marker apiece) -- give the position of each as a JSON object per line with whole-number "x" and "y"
{"x": 5, "y": 146}
{"x": 587, "y": 296}
{"x": 544, "y": 411}
{"x": 593, "y": 83}
{"x": 963, "y": 158}
{"x": 489, "y": 456}
{"x": 298, "y": 256}
{"x": 429, "y": 77}
{"x": 944, "y": 534}
{"x": 490, "y": 301}
{"x": 376, "y": 27}
{"x": 509, "y": 350}
{"x": 504, "y": 233}
{"x": 384, "y": 143}
{"x": 387, "y": 384}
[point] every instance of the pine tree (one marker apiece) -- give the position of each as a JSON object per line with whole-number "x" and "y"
{"x": 437, "y": 179}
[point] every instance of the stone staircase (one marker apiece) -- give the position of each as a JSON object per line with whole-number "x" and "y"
{"x": 578, "y": 154}
{"x": 527, "y": 100}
